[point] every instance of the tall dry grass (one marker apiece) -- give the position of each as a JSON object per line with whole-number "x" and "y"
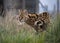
{"x": 11, "y": 32}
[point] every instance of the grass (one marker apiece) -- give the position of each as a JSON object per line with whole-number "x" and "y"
{"x": 55, "y": 32}
{"x": 21, "y": 37}
{"x": 10, "y": 33}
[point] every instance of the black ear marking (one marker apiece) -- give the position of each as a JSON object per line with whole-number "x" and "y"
{"x": 44, "y": 12}
{"x": 37, "y": 15}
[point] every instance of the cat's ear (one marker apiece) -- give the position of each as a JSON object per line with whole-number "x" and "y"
{"x": 25, "y": 11}
{"x": 45, "y": 13}
{"x": 19, "y": 11}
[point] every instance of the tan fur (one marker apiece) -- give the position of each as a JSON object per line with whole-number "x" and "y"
{"x": 31, "y": 19}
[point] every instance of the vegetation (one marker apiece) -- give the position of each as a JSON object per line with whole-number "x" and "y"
{"x": 10, "y": 34}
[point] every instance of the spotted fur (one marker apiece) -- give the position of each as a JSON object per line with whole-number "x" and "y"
{"x": 38, "y": 21}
